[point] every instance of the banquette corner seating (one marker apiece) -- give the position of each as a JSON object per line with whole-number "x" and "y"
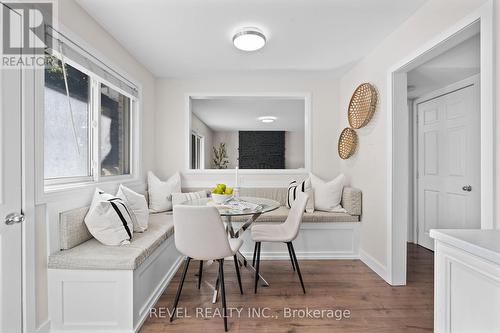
{"x": 98, "y": 288}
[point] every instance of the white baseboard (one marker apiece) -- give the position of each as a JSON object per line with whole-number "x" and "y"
{"x": 44, "y": 328}
{"x": 373, "y": 264}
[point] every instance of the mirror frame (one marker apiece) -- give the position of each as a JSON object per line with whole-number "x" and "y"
{"x": 281, "y": 95}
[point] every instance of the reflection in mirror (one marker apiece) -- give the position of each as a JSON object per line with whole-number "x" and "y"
{"x": 253, "y": 132}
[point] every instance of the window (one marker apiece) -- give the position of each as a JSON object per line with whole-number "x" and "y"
{"x": 66, "y": 132}
{"x": 87, "y": 125}
{"x": 197, "y": 149}
{"x": 115, "y": 132}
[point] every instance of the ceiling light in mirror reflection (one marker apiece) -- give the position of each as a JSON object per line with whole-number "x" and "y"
{"x": 267, "y": 119}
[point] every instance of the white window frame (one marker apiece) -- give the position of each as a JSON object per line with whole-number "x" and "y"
{"x": 53, "y": 186}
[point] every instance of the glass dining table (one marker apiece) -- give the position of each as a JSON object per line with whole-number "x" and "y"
{"x": 254, "y": 208}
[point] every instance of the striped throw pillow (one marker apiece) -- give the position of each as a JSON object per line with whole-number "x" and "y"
{"x": 110, "y": 220}
{"x": 303, "y": 186}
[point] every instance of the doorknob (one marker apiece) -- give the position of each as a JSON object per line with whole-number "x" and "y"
{"x": 14, "y": 218}
{"x": 467, "y": 188}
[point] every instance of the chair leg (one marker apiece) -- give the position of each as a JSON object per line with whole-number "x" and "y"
{"x": 237, "y": 266}
{"x": 297, "y": 267}
{"x": 223, "y": 292}
{"x": 254, "y": 253}
{"x": 257, "y": 267}
{"x": 291, "y": 256}
{"x": 200, "y": 273}
{"x": 179, "y": 288}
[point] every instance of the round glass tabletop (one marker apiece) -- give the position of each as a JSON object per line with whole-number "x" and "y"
{"x": 241, "y": 206}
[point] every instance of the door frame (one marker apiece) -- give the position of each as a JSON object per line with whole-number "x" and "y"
{"x": 398, "y": 166}
{"x": 475, "y": 81}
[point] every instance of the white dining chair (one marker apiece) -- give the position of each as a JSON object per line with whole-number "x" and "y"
{"x": 200, "y": 235}
{"x": 281, "y": 233}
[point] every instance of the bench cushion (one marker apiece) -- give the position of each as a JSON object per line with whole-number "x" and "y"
{"x": 94, "y": 255}
{"x": 280, "y": 215}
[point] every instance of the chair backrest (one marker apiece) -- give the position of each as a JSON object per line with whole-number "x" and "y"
{"x": 199, "y": 233}
{"x": 292, "y": 223}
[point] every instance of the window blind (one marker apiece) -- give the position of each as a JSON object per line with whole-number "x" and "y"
{"x": 71, "y": 50}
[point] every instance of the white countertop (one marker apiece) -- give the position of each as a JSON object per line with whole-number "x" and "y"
{"x": 482, "y": 243}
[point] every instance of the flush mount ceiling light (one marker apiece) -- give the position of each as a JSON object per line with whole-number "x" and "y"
{"x": 249, "y": 39}
{"x": 267, "y": 119}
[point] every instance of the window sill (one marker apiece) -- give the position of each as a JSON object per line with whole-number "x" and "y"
{"x": 58, "y": 192}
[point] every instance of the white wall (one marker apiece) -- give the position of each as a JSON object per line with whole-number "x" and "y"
{"x": 368, "y": 168}
{"x": 294, "y": 150}
{"x": 170, "y": 117}
{"x": 78, "y": 22}
{"x": 456, "y": 64}
{"x": 201, "y": 128}
{"x": 496, "y": 14}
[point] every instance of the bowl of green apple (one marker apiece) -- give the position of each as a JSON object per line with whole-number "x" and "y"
{"x": 221, "y": 193}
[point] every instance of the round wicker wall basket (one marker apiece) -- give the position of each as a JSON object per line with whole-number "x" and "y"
{"x": 348, "y": 142}
{"x": 362, "y": 105}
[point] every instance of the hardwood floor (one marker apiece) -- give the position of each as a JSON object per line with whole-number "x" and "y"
{"x": 340, "y": 285}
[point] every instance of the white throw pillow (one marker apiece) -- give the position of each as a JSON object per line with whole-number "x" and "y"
{"x": 303, "y": 186}
{"x": 160, "y": 193}
{"x": 327, "y": 196}
{"x": 178, "y": 198}
{"x": 138, "y": 206}
{"x": 109, "y": 220}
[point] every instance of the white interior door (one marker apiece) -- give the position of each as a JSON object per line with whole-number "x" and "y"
{"x": 449, "y": 163}
{"x": 10, "y": 194}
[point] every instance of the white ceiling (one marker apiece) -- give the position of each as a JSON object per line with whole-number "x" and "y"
{"x": 458, "y": 63}
{"x": 183, "y": 38}
{"x": 241, "y": 113}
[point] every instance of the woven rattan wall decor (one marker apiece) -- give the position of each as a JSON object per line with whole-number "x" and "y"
{"x": 348, "y": 142}
{"x": 362, "y": 105}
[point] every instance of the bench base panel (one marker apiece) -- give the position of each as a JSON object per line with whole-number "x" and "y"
{"x": 110, "y": 301}
{"x": 336, "y": 240}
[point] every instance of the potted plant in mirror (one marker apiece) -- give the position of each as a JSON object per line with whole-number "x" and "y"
{"x": 220, "y": 159}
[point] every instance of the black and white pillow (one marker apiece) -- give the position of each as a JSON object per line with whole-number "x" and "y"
{"x": 304, "y": 186}
{"x": 109, "y": 219}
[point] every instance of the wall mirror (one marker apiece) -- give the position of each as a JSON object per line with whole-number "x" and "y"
{"x": 248, "y": 132}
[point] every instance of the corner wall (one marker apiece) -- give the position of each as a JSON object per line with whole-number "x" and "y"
{"x": 368, "y": 168}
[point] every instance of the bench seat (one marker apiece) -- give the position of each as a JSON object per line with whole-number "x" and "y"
{"x": 92, "y": 255}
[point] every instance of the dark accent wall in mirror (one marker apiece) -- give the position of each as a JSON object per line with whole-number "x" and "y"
{"x": 261, "y": 149}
